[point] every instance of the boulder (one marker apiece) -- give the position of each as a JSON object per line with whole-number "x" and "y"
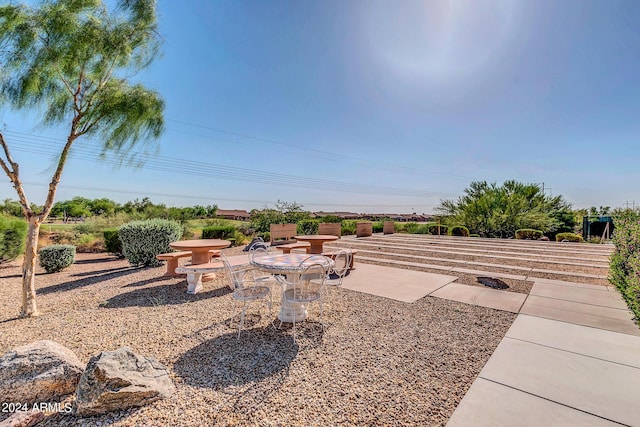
{"x": 23, "y": 419}
{"x": 38, "y": 372}
{"x": 115, "y": 380}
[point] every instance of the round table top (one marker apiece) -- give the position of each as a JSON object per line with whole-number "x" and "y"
{"x": 190, "y": 245}
{"x": 287, "y": 263}
{"x": 322, "y": 237}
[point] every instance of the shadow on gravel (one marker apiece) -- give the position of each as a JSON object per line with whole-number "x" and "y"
{"x": 98, "y": 260}
{"x": 259, "y": 360}
{"x": 170, "y": 294}
{"x": 87, "y": 281}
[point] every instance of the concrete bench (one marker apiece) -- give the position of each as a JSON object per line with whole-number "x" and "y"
{"x": 286, "y": 249}
{"x": 173, "y": 257}
{"x": 333, "y": 254}
{"x": 196, "y": 274}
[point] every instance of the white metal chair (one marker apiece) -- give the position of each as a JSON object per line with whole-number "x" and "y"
{"x": 307, "y": 287}
{"x": 342, "y": 261}
{"x": 246, "y": 289}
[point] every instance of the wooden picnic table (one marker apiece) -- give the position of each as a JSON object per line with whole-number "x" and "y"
{"x": 316, "y": 241}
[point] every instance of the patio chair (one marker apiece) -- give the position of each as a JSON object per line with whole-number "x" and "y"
{"x": 247, "y": 289}
{"x": 342, "y": 261}
{"x": 307, "y": 287}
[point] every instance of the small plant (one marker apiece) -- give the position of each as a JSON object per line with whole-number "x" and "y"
{"x": 568, "y": 237}
{"x": 56, "y": 258}
{"x": 459, "y": 230}
{"x": 308, "y": 226}
{"x": 529, "y": 234}
{"x": 474, "y": 235}
{"x": 438, "y": 229}
{"x": 112, "y": 241}
{"x": 143, "y": 240}
{"x": 625, "y": 260}
{"x": 348, "y": 227}
{"x": 218, "y": 232}
{"x": 377, "y": 227}
{"x": 12, "y": 237}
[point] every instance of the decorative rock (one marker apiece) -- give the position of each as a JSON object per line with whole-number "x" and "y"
{"x": 115, "y": 380}
{"x": 23, "y": 419}
{"x": 38, "y": 372}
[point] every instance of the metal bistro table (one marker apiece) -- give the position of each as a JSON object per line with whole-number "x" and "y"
{"x": 288, "y": 264}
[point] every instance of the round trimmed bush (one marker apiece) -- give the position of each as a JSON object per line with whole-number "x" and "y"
{"x": 435, "y": 230}
{"x": 112, "y": 241}
{"x": 13, "y": 233}
{"x": 569, "y": 237}
{"x": 528, "y": 234}
{"x": 56, "y": 258}
{"x": 459, "y": 230}
{"x": 143, "y": 240}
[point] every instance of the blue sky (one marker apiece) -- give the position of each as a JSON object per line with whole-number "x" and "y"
{"x": 375, "y": 106}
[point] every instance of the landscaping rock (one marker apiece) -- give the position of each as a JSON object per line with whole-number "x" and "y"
{"x": 38, "y": 372}
{"x": 115, "y": 380}
{"x": 23, "y": 419}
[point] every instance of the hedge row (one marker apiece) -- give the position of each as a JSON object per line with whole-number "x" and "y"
{"x": 625, "y": 261}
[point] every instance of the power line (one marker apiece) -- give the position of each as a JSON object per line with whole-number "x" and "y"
{"x": 33, "y": 144}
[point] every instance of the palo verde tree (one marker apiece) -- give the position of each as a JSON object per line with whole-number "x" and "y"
{"x": 71, "y": 60}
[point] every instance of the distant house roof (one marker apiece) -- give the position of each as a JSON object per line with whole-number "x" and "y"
{"x": 343, "y": 215}
{"x": 232, "y": 213}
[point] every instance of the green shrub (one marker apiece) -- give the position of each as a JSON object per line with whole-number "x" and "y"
{"x": 56, "y": 258}
{"x": 112, "y": 241}
{"x": 474, "y": 235}
{"x": 625, "y": 260}
{"x": 377, "y": 227}
{"x": 143, "y": 240}
{"x": 435, "y": 229}
{"x": 348, "y": 227}
{"x": 528, "y": 234}
{"x": 308, "y": 227}
{"x": 13, "y": 233}
{"x": 570, "y": 237}
{"x": 459, "y": 230}
{"x": 219, "y": 232}
{"x": 330, "y": 218}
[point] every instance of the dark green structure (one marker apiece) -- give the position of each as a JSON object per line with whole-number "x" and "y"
{"x": 597, "y": 225}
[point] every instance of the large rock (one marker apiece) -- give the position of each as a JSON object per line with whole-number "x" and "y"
{"x": 115, "y": 380}
{"x": 38, "y": 372}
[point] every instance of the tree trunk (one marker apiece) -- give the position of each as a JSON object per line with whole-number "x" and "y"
{"x": 29, "y": 307}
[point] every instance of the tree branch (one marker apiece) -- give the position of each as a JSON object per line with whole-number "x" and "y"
{"x": 14, "y": 176}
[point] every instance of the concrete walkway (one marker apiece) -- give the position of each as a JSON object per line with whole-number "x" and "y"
{"x": 571, "y": 357}
{"x": 572, "y": 360}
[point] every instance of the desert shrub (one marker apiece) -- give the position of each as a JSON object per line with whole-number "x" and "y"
{"x": 239, "y": 238}
{"x": 330, "y": 218}
{"x": 13, "y": 233}
{"x": 348, "y": 227}
{"x": 435, "y": 229}
{"x": 415, "y": 228}
{"x": 625, "y": 260}
{"x": 570, "y": 237}
{"x": 377, "y": 227}
{"x": 308, "y": 226}
{"x": 219, "y": 232}
{"x": 266, "y": 236}
{"x": 459, "y": 230}
{"x": 474, "y": 235}
{"x": 112, "y": 241}
{"x": 89, "y": 243}
{"x": 528, "y": 234}
{"x": 56, "y": 258}
{"x": 143, "y": 240}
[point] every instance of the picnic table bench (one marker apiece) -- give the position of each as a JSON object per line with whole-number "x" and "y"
{"x": 286, "y": 249}
{"x": 173, "y": 257}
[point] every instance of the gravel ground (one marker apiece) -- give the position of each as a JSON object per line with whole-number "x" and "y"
{"x": 379, "y": 361}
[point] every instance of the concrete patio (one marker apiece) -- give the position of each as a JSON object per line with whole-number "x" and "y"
{"x": 571, "y": 357}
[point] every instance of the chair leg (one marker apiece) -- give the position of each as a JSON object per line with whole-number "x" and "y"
{"x": 244, "y": 309}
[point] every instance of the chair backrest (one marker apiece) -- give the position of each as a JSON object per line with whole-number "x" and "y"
{"x": 257, "y": 253}
{"x": 342, "y": 261}
{"x": 330, "y": 228}
{"x": 257, "y": 242}
{"x": 310, "y": 277}
{"x": 236, "y": 280}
